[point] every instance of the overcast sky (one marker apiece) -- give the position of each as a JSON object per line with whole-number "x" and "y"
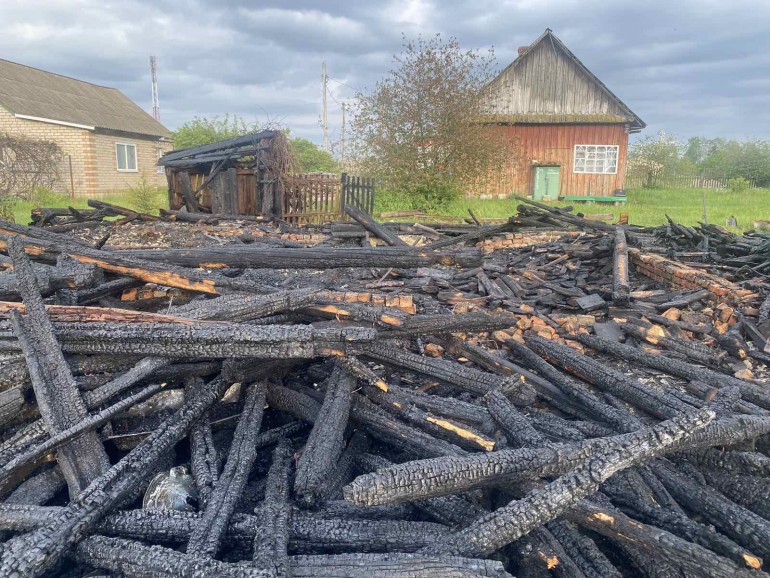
{"x": 690, "y": 67}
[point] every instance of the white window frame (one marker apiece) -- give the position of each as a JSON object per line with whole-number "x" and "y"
{"x": 160, "y": 169}
{"x": 117, "y": 157}
{"x": 595, "y": 159}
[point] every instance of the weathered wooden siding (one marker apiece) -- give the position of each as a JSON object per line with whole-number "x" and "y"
{"x": 553, "y": 145}
{"x": 547, "y": 86}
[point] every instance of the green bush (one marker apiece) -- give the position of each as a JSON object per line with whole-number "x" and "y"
{"x": 738, "y": 184}
{"x": 7, "y": 205}
{"x": 44, "y": 197}
{"x": 433, "y": 197}
{"x": 145, "y": 197}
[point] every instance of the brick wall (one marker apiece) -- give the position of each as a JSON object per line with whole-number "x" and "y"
{"x": 94, "y": 164}
{"x": 71, "y": 140}
{"x": 109, "y": 179}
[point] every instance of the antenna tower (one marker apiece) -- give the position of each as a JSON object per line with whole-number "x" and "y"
{"x": 155, "y": 103}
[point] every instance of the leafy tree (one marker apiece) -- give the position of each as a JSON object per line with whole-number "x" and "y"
{"x": 653, "y": 157}
{"x": 414, "y": 127}
{"x": 310, "y": 158}
{"x": 200, "y": 131}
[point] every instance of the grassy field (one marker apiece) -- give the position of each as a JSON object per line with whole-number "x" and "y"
{"x": 644, "y": 206}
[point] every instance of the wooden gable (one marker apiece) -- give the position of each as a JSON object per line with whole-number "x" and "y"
{"x": 548, "y": 84}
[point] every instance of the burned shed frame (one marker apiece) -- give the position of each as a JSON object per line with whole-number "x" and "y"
{"x": 251, "y": 175}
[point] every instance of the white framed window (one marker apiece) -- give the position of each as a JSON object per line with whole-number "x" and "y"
{"x": 158, "y": 154}
{"x": 126, "y": 156}
{"x": 596, "y": 159}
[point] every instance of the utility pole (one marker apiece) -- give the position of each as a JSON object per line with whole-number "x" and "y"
{"x": 342, "y": 139}
{"x": 155, "y": 103}
{"x": 324, "y": 118}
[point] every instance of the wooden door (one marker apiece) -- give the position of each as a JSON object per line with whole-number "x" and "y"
{"x": 546, "y": 183}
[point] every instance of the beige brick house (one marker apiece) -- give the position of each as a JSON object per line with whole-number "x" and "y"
{"x": 108, "y": 141}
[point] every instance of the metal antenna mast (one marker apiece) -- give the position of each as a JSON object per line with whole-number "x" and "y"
{"x": 155, "y": 103}
{"x": 324, "y": 117}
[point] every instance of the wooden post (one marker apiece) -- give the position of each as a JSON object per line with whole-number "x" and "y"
{"x": 187, "y": 192}
{"x": 621, "y": 287}
{"x": 343, "y": 194}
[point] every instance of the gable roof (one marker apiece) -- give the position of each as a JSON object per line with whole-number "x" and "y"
{"x": 548, "y": 84}
{"x": 31, "y": 92}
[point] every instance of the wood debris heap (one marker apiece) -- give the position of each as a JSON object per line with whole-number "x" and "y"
{"x": 543, "y": 396}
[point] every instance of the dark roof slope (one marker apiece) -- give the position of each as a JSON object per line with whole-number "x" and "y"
{"x": 32, "y": 92}
{"x": 548, "y": 84}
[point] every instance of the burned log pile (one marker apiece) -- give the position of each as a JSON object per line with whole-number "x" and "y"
{"x": 540, "y": 396}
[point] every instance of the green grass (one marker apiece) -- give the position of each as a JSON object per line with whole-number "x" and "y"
{"x": 644, "y": 207}
{"x": 134, "y": 200}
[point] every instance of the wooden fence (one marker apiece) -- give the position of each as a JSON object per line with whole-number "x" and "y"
{"x": 321, "y": 198}
{"x": 678, "y": 182}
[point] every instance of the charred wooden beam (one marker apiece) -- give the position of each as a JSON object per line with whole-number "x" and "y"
{"x": 749, "y": 391}
{"x": 742, "y": 525}
{"x": 36, "y": 552}
{"x": 477, "y": 235}
{"x": 62, "y": 437}
{"x": 271, "y": 545}
{"x": 204, "y": 461}
{"x": 456, "y": 433}
{"x": 659, "y": 544}
{"x": 307, "y": 531}
{"x": 518, "y": 518}
{"x": 308, "y": 258}
{"x": 224, "y": 340}
{"x": 208, "y": 533}
{"x": 116, "y": 211}
{"x": 374, "y": 227}
{"x": 190, "y": 200}
{"x": 517, "y": 428}
{"x": 595, "y": 407}
{"x": 463, "y": 322}
{"x": 621, "y": 288}
{"x": 326, "y": 440}
{"x": 453, "y": 373}
{"x": 657, "y": 403}
{"x": 691, "y": 350}
{"x": 57, "y": 395}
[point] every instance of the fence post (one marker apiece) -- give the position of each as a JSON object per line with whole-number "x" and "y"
{"x": 343, "y": 193}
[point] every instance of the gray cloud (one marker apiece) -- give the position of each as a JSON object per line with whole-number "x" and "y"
{"x": 688, "y": 67}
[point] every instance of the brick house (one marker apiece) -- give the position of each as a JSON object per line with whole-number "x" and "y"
{"x": 568, "y": 131}
{"x": 108, "y": 142}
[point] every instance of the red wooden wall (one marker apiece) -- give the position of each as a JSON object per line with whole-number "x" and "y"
{"x": 553, "y": 145}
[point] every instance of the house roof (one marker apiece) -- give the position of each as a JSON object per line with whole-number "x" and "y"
{"x": 31, "y": 92}
{"x": 548, "y": 84}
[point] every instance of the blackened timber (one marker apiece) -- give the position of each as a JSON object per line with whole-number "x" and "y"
{"x": 209, "y": 532}
{"x": 678, "y": 368}
{"x": 223, "y": 340}
{"x": 742, "y": 525}
{"x": 325, "y": 442}
{"x": 477, "y": 235}
{"x": 583, "y": 551}
{"x": 84, "y": 459}
{"x": 292, "y": 402}
{"x": 191, "y": 202}
{"x": 34, "y": 553}
{"x": 752, "y": 492}
{"x": 204, "y": 461}
{"x": 272, "y": 543}
{"x": 58, "y": 439}
{"x": 659, "y": 544}
{"x": 453, "y": 373}
{"x": 452, "y": 474}
{"x": 456, "y": 433}
{"x": 463, "y": 322}
{"x": 307, "y": 258}
{"x": 691, "y": 350}
{"x": 135, "y": 559}
{"x": 621, "y": 287}
{"x": 655, "y": 402}
{"x": 307, "y": 531}
{"x": 507, "y": 524}
{"x": 515, "y": 425}
{"x": 595, "y": 407}
{"x": 374, "y": 227}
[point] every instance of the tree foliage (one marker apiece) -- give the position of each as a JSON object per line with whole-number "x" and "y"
{"x": 309, "y": 158}
{"x": 203, "y": 130}
{"x": 414, "y": 128}
{"x": 664, "y": 155}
